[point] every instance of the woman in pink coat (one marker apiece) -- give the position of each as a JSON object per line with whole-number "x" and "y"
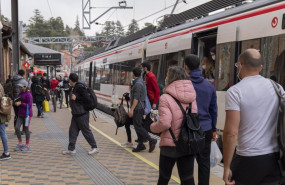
{"x": 180, "y": 87}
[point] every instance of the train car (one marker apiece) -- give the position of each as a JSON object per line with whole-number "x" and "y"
{"x": 259, "y": 25}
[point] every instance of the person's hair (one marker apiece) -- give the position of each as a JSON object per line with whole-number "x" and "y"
{"x": 73, "y": 77}
{"x": 251, "y": 58}
{"x": 274, "y": 78}
{"x": 44, "y": 74}
{"x": 137, "y": 71}
{"x": 213, "y": 50}
{"x": 147, "y": 65}
{"x": 21, "y": 72}
{"x": 192, "y": 62}
{"x": 209, "y": 66}
{"x": 172, "y": 62}
{"x": 175, "y": 73}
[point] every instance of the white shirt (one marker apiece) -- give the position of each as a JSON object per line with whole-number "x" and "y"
{"x": 257, "y": 101}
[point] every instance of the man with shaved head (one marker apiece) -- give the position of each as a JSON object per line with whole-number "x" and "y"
{"x": 250, "y": 127}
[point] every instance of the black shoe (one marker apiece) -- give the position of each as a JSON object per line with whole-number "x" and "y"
{"x": 152, "y": 144}
{"x": 139, "y": 148}
{"x": 137, "y": 140}
{"x": 5, "y": 157}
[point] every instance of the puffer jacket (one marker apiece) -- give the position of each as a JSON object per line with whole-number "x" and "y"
{"x": 170, "y": 115}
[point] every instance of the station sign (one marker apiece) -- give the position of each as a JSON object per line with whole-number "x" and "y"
{"x": 26, "y": 65}
{"x": 47, "y": 59}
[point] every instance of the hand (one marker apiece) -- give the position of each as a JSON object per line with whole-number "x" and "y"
{"x": 214, "y": 136}
{"x": 17, "y": 104}
{"x": 45, "y": 89}
{"x": 131, "y": 113}
{"x": 73, "y": 97}
{"x": 154, "y": 106}
{"x": 228, "y": 177}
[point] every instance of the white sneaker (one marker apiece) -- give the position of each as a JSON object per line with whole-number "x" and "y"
{"x": 68, "y": 152}
{"x": 127, "y": 145}
{"x": 93, "y": 151}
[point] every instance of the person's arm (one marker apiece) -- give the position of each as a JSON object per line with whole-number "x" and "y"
{"x": 154, "y": 85}
{"x": 135, "y": 103}
{"x": 137, "y": 90}
{"x": 165, "y": 117}
{"x": 213, "y": 110}
{"x": 29, "y": 101}
{"x": 230, "y": 137}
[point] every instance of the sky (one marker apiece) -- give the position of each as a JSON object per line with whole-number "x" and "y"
{"x": 69, "y": 9}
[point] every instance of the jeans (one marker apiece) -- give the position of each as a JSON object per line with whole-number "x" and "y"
{"x": 185, "y": 166}
{"x": 77, "y": 124}
{"x": 4, "y": 137}
{"x": 39, "y": 107}
{"x": 256, "y": 170}
{"x": 203, "y": 160}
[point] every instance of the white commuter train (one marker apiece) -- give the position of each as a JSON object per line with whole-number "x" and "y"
{"x": 259, "y": 25}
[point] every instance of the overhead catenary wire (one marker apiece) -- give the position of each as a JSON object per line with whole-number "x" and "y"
{"x": 49, "y": 8}
{"x": 154, "y": 13}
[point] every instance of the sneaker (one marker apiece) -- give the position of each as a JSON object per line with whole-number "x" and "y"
{"x": 139, "y": 148}
{"x": 18, "y": 147}
{"x": 42, "y": 115}
{"x": 127, "y": 145}
{"x": 152, "y": 144}
{"x": 69, "y": 152}
{"x": 5, "y": 157}
{"x": 25, "y": 148}
{"x": 93, "y": 151}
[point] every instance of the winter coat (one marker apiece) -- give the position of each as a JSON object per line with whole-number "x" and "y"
{"x": 26, "y": 99}
{"x": 206, "y": 101}
{"x": 3, "y": 118}
{"x": 170, "y": 115}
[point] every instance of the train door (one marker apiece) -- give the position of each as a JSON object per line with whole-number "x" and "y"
{"x": 90, "y": 75}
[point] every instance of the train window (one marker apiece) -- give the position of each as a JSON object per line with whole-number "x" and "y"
{"x": 97, "y": 76}
{"x": 154, "y": 67}
{"x": 254, "y": 43}
{"x": 105, "y": 79}
{"x": 224, "y": 59}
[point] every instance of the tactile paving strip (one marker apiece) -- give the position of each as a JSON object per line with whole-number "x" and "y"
{"x": 94, "y": 169}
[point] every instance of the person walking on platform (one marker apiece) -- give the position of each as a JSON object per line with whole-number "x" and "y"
{"x": 67, "y": 88}
{"x": 37, "y": 92}
{"x": 178, "y": 86}
{"x": 138, "y": 94}
{"x": 250, "y": 128}
{"x": 80, "y": 116}
{"x": 207, "y": 111}
{"x": 153, "y": 91}
{"x": 45, "y": 81}
{"x": 25, "y": 115}
{"x": 4, "y": 138}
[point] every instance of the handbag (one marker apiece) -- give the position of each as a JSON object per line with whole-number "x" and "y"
{"x": 45, "y": 106}
{"x": 5, "y": 105}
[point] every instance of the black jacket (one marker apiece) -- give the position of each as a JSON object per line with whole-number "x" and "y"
{"x": 66, "y": 85}
{"x": 37, "y": 97}
{"x": 46, "y": 83}
{"x": 77, "y": 108}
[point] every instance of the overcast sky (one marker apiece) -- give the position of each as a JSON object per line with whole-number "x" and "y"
{"x": 69, "y": 9}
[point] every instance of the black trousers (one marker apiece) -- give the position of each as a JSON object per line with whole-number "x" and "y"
{"x": 256, "y": 170}
{"x": 138, "y": 124}
{"x": 16, "y": 110}
{"x": 203, "y": 160}
{"x": 128, "y": 129}
{"x": 77, "y": 124}
{"x": 66, "y": 93}
{"x": 185, "y": 166}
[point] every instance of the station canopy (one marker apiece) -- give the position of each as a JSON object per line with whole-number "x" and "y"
{"x": 44, "y": 56}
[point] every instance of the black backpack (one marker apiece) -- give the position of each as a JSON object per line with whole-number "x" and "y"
{"x": 93, "y": 100}
{"x": 8, "y": 89}
{"x": 191, "y": 138}
{"x": 38, "y": 89}
{"x": 280, "y": 132}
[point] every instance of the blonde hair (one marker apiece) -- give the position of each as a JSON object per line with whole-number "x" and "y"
{"x": 175, "y": 73}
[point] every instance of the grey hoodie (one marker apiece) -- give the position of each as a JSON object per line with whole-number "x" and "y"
{"x": 16, "y": 80}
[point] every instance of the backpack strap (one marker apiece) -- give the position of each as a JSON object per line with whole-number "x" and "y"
{"x": 277, "y": 89}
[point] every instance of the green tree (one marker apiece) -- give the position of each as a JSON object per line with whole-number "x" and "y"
{"x": 109, "y": 29}
{"x": 38, "y": 26}
{"x": 133, "y": 27}
{"x": 119, "y": 29}
{"x": 77, "y": 27}
{"x": 57, "y": 27}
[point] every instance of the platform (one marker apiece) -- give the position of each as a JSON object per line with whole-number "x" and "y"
{"x": 44, "y": 163}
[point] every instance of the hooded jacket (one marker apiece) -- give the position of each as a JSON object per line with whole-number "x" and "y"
{"x": 206, "y": 100}
{"x": 16, "y": 80}
{"x": 77, "y": 108}
{"x": 26, "y": 99}
{"x": 170, "y": 115}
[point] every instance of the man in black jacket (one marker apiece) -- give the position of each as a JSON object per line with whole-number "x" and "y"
{"x": 66, "y": 86}
{"x": 80, "y": 116}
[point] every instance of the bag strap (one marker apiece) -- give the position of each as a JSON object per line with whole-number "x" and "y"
{"x": 277, "y": 89}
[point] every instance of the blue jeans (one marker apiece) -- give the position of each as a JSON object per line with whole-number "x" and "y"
{"x": 4, "y": 137}
{"x": 39, "y": 106}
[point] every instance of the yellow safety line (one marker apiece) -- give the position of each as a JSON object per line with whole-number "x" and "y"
{"x": 176, "y": 179}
